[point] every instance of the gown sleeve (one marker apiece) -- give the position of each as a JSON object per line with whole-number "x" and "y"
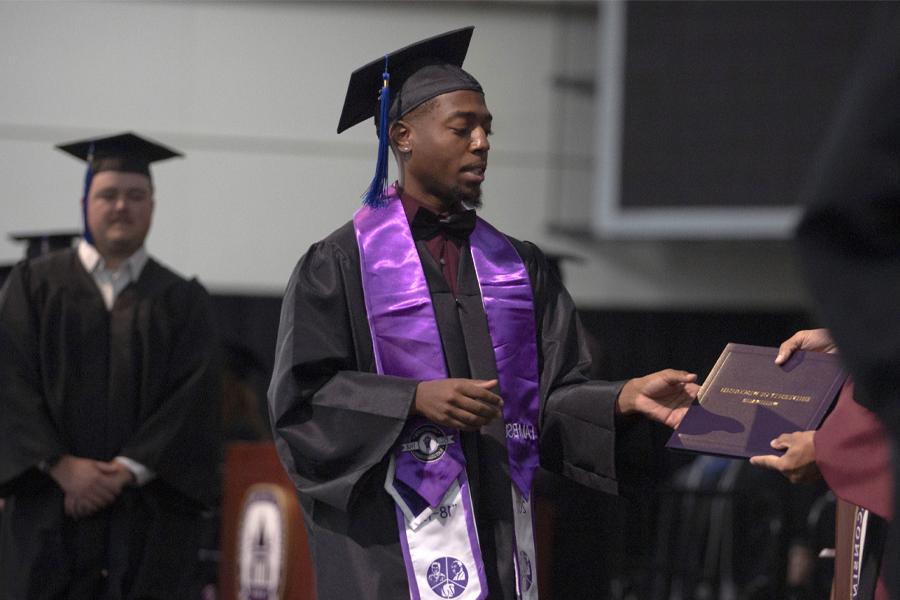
{"x": 334, "y": 419}
{"x": 28, "y": 434}
{"x": 578, "y": 414}
{"x": 854, "y": 455}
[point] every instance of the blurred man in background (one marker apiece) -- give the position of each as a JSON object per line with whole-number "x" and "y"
{"x": 109, "y": 395}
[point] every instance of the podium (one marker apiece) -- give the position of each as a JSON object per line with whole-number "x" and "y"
{"x": 265, "y": 555}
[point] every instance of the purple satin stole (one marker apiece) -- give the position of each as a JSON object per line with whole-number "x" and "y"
{"x": 407, "y": 343}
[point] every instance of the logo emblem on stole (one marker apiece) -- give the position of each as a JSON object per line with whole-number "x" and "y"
{"x": 428, "y": 443}
{"x": 527, "y": 576}
{"x": 447, "y": 577}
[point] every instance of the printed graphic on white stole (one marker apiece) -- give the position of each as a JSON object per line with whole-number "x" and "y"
{"x": 526, "y": 565}
{"x": 440, "y": 544}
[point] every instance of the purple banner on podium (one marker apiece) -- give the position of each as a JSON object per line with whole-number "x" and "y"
{"x": 747, "y": 401}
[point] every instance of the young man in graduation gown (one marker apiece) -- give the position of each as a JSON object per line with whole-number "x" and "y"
{"x": 851, "y": 451}
{"x": 426, "y": 363}
{"x": 108, "y": 391}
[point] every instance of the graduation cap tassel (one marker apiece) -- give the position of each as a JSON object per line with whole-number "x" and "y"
{"x": 374, "y": 196}
{"x": 88, "y": 177}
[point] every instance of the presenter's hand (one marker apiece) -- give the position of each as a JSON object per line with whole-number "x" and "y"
{"x": 663, "y": 396}
{"x": 814, "y": 340}
{"x": 799, "y": 462}
{"x": 87, "y": 487}
{"x": 465, "y": 404}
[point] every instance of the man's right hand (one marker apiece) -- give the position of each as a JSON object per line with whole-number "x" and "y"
{"x": 87, "y": 484}
{"x": 467, "y": 404}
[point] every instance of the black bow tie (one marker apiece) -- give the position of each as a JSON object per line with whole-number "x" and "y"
{"x": 426, "y": 225}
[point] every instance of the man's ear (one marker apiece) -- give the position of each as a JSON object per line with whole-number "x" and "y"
{"x": 400, "y": 134}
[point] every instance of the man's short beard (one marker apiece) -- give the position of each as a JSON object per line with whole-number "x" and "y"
{"x": 466, "y": 196}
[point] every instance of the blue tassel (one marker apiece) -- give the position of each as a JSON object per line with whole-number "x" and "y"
{"x": 377, "y": 192}
{"x": 88, "y": 177}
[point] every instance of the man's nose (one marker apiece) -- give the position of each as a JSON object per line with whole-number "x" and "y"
{"x": 480, "y": 141}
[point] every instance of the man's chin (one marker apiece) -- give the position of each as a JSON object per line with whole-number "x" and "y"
{"x": 468, "y": 196}
{"x": 122, "y": 247}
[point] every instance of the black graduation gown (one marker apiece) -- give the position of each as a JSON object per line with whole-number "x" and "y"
{"x": 138, "y": 381}
{"x": 336, "y": 420}
{"x": 849, "y": 238}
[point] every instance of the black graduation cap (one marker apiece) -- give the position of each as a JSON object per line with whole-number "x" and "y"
{"x": 42, "y": 243}
{"x": 123, "y": 152}
{"x": 446, "y": 52}
{"x": 390, "y": 87}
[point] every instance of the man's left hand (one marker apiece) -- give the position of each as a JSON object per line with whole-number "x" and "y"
{"x": 663, "y": 396}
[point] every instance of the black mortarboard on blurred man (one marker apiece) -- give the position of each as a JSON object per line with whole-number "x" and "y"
{"x": 392, "y": 86}
{"x": 38, "y": 244}
{"x": 126, "y": 152}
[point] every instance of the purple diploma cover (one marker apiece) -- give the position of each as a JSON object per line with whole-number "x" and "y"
{"x": 747, "y": 401}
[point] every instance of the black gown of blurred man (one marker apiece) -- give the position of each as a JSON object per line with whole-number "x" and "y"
{"x": 849, "y": 240}
{"x": 109, "y": 434}
{"x": 400, "y": 333}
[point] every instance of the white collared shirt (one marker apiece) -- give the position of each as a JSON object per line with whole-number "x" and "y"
{"x": 111, "y": 283}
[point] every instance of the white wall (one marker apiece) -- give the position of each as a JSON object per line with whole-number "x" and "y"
{"x": 251, "y": 93}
